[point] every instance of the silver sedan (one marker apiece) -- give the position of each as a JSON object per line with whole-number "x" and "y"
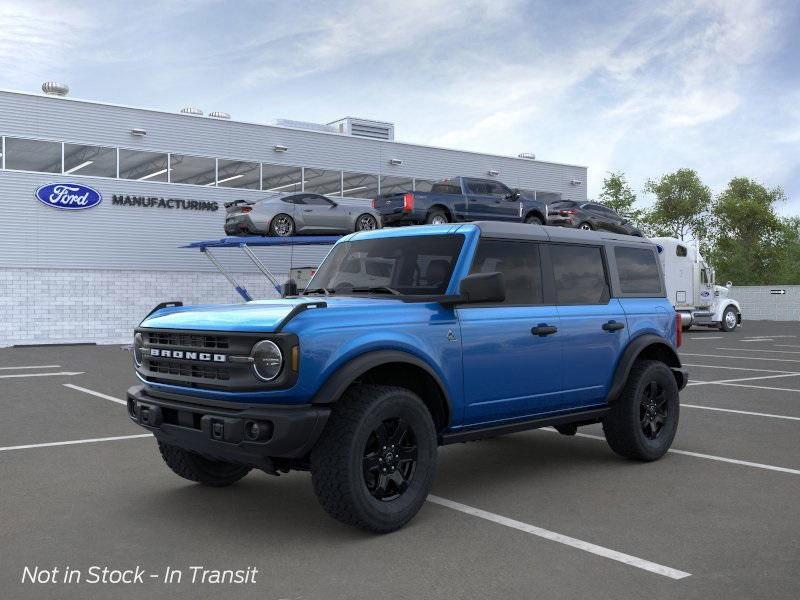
{"x": 283, "y": 215}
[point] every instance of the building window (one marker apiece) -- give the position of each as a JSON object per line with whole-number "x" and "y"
{"x": 396, "y": 185}
{"x": 359, "y": 185}
{"x": 90, "y": 160}
{"x": 320, "y": 181}
{"x": 33, "y": 155}
{"x": 279, "y": 178}
{"x": 423, "y": 185}
{"x": 238, "y": 174}
{"x": 195, "y": 170}
{"x": 143, "y": 166}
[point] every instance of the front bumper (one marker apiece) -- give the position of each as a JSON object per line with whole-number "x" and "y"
{"x": 222, "y": 430}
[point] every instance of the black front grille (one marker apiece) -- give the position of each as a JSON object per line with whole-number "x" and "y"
{"x": 188, "y": 369}
{"x": 188, "y": 340}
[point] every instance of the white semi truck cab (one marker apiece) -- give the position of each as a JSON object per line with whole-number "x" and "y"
{"x": 692, "y": 290}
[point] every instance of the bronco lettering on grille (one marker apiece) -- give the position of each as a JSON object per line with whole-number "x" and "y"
{"x": 181, "y": 354}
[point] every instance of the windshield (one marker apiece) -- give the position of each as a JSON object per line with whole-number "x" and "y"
{"x": 407, "y": 265}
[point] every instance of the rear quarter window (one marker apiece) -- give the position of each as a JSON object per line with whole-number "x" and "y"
{"x": 638, "y": 271}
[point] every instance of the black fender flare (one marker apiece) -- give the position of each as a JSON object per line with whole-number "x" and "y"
{"x": 346, "y": 374}
{"x": 634, "y": 349}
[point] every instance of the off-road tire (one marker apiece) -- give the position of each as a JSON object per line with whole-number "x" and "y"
{"x": 723, "y": 326}
{"x": 533, "y": 220}
{"x": 437, "y": 214}
{"x": 623, "y": 423}
{"x": 197, "y": 468}
{"x": 337, "y": 460}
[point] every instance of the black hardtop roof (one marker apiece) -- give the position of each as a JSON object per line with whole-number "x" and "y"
{"x": 524, "y": 231}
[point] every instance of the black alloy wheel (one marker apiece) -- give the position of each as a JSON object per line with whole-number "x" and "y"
{"x": 586, "y": 226}
{"x": 282, "y": 225}
{"x": 366, "y": 223}
{"x": 390, "y": 459}
{"x": 653, "y": 410}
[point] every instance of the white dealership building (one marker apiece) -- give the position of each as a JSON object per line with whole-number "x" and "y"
{"x": 162, "y": 179}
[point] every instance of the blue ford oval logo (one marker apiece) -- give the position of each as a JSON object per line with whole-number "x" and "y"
{"x": 68, "y": 196}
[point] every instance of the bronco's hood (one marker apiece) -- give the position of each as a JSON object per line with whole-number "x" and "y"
{"x": 260, "y": 315}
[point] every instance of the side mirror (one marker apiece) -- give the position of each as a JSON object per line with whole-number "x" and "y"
{"x": 289, "y": 288}
{"x": 334, "y": 204}
{"x": 478, "y": 288}
{"x": 729, "y": 284}
{"x": 514, "y": 195}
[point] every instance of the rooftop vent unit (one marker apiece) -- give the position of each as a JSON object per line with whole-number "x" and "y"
{"x": 527, "y": 155}
{"x": 375, "y": 130}
{"x": 219, "y": 115}
{"x": 53, "y": 88}
{"x": 303, "y": 125}
{"x": 192, "y": 110}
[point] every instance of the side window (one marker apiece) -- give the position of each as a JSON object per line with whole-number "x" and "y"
{"x": 445, "y": 187}
{"x": 638, "y": 271}
{"x": 294, "y": 199}
{"x": 580, "y": 275}
{"x": 680, "y": 250}
{"x": 497, "y": 189}
{"x": 475, "y": 186}
{"x": 519, "y": 264}
{"x": 317, "y": 200}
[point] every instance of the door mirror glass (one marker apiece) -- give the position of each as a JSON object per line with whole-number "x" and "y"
{"x": 482, "y": 287}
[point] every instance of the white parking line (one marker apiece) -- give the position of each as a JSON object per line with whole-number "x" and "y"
{"x": 72, "y": 442}
{"x": 741, "y": 412}
{"x": 739, "y": 368}
{"x": 741, "y": 357}
{"x": 93, "y": 393}
{"x": 787, "y": 346}
{"x": 761, "y": 387}
{"x": 713, "y": 337}
{"x": 759, "y": 350}
{"x": 757, "y": 340}
{"x": 561, "y": 539}
{"x": 31, "y": 367}
{"x": 742, "y": 379}
{"x": 68, "y": 373}
{"x": 734, "y": 461}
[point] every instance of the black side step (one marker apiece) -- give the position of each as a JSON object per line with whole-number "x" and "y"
{"x": 583, "y": 417}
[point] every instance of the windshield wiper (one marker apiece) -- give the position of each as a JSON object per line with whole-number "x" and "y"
{"x": 322, "y": 290}
{"x": 378, "y": 289}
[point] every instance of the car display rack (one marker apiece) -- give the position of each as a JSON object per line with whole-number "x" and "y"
{"x": 245, "y": 244}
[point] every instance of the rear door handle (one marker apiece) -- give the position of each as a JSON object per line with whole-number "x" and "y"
{"x": 613, "y": 326}
{"x": 543, "y": 330}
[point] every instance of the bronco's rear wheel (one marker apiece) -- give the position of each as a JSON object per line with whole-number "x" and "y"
{"x": 203, "y": 470}
{"x": 642, "y": 422}
{"x": 374, "y": 464}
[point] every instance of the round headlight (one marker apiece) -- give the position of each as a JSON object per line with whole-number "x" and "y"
{"x": 267, "y": 360}
{"x": 138, "y": 345}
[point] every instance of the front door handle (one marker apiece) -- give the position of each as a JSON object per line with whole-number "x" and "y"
{"x": 543, "y": 330}
{"x": 613, "y": 326}
{"x": 308, "y": 210}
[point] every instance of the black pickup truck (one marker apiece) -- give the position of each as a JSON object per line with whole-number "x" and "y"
{"x": 461, "y": 199}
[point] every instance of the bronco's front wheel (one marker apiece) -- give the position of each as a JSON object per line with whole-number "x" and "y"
{"x": 642, "y": 422}
{"x": 375, "y": 462}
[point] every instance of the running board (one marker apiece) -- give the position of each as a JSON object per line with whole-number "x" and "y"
{"x": 584, "y": 417}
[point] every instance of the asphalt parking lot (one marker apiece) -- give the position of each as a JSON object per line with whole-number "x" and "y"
{"x": 530, "y": 515}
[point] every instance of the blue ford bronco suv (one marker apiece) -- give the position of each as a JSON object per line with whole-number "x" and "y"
{"x": 408, "y": 339}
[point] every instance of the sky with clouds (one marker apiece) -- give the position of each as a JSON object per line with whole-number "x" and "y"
{"x": 641, "y": 87}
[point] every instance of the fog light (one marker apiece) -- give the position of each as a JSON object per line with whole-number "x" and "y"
{"x": 252, "y": 430}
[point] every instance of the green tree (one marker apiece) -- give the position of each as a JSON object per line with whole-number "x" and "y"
{"x": 752, "y": 245}
{"x": 681, "y": 206}
{"x": 618, "y": 196}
